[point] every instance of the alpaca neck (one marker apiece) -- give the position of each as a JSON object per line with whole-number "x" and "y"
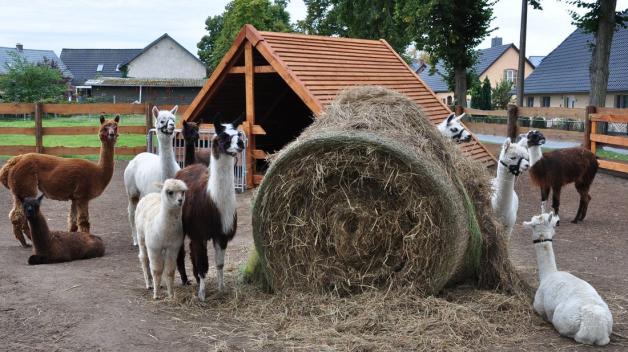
{"x": 39, "y": 231}
{"x": 545, "y": 259}
{"x": 535, "y": 154}
{"x": 105, "y": 162}
{"x": 169, "y": 166}
{"x": 221, "y": 186}
{"x": 505, "y": 187}
{"x": 189, "y": 152}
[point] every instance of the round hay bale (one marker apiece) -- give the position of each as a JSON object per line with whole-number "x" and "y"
{"x": 371, "y": 195}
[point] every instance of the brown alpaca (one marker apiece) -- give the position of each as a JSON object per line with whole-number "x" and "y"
{"x": 191, "y": 135}
{"x": 553, "y": 170}
{"x": 57, "y": 246}
{"x": 58, "y": 178}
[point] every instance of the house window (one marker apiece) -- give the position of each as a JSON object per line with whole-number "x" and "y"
{"x": 118, "y": 68}
{"x": 530, "y": 102}
{"x": 99, "y": 68}
{"x": 511, "y": 75}
{"x": 621, "y": 101}
{"x": 546, "y": 102}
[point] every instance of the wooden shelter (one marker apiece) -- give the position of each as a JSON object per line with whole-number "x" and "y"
{"x": 282, "y": 79}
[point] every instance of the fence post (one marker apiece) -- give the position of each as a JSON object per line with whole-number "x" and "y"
{"x": 39, "y": 130}
{"x": 587, "y": 126}
{"x": 148, "y": 107}
{"x": 459, "y": 110}
{"x": 513, "y": 115}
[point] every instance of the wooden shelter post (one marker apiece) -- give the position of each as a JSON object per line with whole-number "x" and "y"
{"x": 250, "y": 111}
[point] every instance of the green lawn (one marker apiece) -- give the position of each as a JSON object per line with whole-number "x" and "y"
{"x": 69, "y": 121}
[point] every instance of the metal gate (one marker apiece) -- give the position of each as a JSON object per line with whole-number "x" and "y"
{"x": 204, "y": 142}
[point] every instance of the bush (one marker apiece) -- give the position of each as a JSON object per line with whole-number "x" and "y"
{"x": 538, "y": 122}
{"x": 524, "y": 121}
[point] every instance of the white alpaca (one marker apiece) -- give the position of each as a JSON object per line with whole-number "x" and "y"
{"x": 572, "y": 305}
{"x": 452, "y": 128}
{"x": 513, "y": 160}
{"x": 148, "y": 169}
{"x": 160, "y": 233}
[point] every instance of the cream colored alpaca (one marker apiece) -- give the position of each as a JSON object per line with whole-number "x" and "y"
{"x": 572, "y": 305}
{"x": 160, "y": 233}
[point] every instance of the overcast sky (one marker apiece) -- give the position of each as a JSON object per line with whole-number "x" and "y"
{"x": 44, "y": 24}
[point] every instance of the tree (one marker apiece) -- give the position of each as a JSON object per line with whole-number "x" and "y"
{"x": 601, "y": 20}
{"x": 486, "y": 95}
{"x": 223, "y": 29}
{"x": 29, "y": 83}
{"x": 501, "y": 94}
{"x": 450, "y": 31}
{"x": 367, "y": 19}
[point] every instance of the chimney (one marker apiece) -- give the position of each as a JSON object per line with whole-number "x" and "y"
{"x": 19, "y": 47}
{"x": 496, "y": 41}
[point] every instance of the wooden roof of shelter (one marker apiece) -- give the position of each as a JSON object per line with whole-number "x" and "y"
{"x": 316, "y": 68}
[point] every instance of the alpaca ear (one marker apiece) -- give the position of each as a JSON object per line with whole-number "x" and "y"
{"x": 158, "y": 184}
{"x": 527, "y": 224}
{"x": 185, "y": 122}
{"x": 507, "y": 143}
{"x": 218, "y": 127}
{"x": 460, "y": 117}
{"x": 117, "y": 118}
{"x": 238, "y": 121}
{"x": 102, "y": 119}
{"x": 41, "y": 196}
{"x": 450, "y": 117}
{"x": 155, "y": 111}
{"x": 174, "y": 110}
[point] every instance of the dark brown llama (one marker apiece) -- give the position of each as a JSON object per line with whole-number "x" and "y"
{"x": 76, "y": 180}
{"x": 191, "y": 136}
{"x": 57, "y": 246}
{"x": 553, "y": 170}
{"x": 209, "y": 211}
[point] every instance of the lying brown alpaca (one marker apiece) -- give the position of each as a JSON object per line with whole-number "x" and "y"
{"x": 59, "y": 178}
{"x": 57, "y": 246}
{"x": 191, "y": 136}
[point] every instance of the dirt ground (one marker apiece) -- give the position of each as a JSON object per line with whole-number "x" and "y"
{"x": 100, "y": 304}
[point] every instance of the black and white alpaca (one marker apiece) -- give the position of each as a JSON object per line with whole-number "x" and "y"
{"x": 209, "y": 212}
{"x": 452, "y": 128}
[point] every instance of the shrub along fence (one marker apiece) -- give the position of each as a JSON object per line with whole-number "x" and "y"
{"x": 598, "y": 125}
{"x": 38, "y": 111}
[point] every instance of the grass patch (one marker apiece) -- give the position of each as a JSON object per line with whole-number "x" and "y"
{"x": 124, "y": 140}
{"x": 605, "y": 154}
{"x": 93, "y": 157}
{"x": 71, "y": 121}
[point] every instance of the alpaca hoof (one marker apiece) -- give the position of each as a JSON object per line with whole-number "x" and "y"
{"x": 557, "y": 223}
{"x": 26, "y": 245}
{"x": 186, "y": 283}
{"x": 574, "y": 221}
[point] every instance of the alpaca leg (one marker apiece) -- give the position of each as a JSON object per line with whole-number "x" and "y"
{"x": 219, "y": 249}
{"x": 72, "y": 224}
{"x": 133, "y": 200}
{"x": 544, "y": 195}
{"x": 198, "y": 250}
{"x": 17, "y": 220}
{"x": 556, "y": 201}
{"x": 181, "y": 266}
{"x": 156, "y": 269}
{"x": 170, "y": 266}
{"x": 82, "y": 208}
{"x": 144, "y": 263}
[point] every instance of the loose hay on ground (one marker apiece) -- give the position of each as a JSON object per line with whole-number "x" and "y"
{"x": 371, "y": 195}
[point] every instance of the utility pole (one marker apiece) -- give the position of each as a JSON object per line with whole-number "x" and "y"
{"x": 522, "y": 51}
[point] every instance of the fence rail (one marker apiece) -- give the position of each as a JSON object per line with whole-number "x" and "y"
{"x": 589, "y": 117}
{"x": 38, "y": 111}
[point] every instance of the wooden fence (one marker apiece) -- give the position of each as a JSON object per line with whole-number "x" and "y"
{"x": 38, "y": 111}
{"x": 590, "y": 116}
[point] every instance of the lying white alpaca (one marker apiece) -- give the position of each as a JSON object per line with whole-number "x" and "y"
{"x": 160, "y": 233}
{"x": 148, "y": 169}
{"x": 513, "y": 160}
{"x": 572, "y": 305}
{"x": 452, "y": 128}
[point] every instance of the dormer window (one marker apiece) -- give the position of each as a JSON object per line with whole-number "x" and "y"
{"x": 118, "y": 68}
{"x": 100, "y": 67}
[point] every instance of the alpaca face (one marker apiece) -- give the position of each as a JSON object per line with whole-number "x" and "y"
{"x": 31, "y": 206}
{"x": 230, "y": 140}
{"x": 109, "y": 129}
{"x": 515, "y": 157}
{"x": 165, "y": 120}
{"x": 453, "y": 129}
{"x": 542, "y": 226}
{"x": 535, "y": 138}
{"x": 173, "y": 192}
{"x": 190, "y": 132}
